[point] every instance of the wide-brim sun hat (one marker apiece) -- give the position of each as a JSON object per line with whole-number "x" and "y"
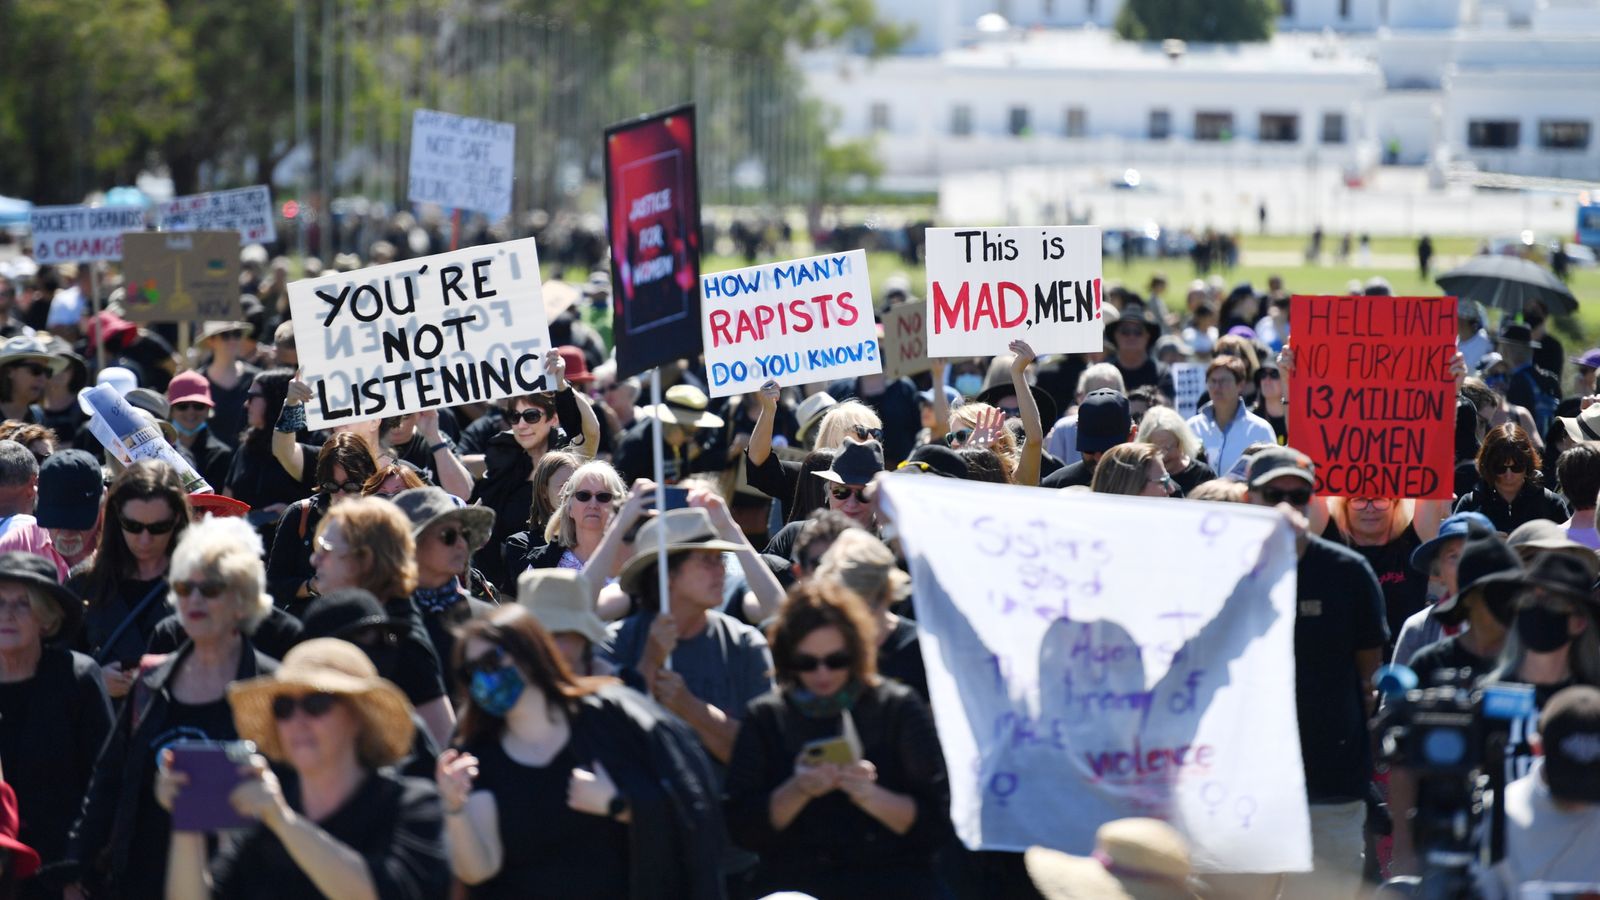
{"x": 1041, "y": 399}
{"x": 332, "y": 666}
{"x": 685, "y": 530}
{"x": 1135, "y": 859}
{"x": 684, "y": 405}
{"x": 210, "y": 330}
{"x": 812, "y": 410}
{"x": 558, "y": 297}
{"x": 428, "y": 506}
{"x": 562, "y": 602}
{"x": 26, "y": 348}
{"x": 34, "y": 571}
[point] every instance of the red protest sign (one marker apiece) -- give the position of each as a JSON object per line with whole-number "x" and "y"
{"x": 1372, "y": 400}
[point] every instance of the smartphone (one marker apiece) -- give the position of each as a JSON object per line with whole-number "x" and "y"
{"x": 213, "y": 770}
{"x": 836, "y": 750}
{"x": 674, "y": 497}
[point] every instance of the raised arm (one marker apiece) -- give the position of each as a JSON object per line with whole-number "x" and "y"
{"x": 453, "y": 474}
{"x": 941, "y": 404}
{"x": 760, "y": 446}
{"x": 285, "y": 449}
{"x": 602, "y": 566}
{"x": 765, "y": 590}
{"x": 572, "y": 408}
{"x": 1033, "y": 429}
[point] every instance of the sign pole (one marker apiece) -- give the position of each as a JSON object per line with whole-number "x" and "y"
{"x": 100, "y": 325}
{"x": 661, "y": 489}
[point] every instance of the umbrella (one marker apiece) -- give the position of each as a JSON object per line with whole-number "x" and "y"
{"x": 1507, "y": 282}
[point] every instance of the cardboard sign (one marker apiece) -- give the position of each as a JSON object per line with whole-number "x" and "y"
{"x": 1189, "y": 383}
{"x": 246, "y": 210}
{"x": 460, "y": 162}
{"x": 990, "y": 286}
{"x": 799, "y": 322}
{"x": 1372, "y": 400}
{"x": 461, "y": 327}
{"x": 905, "y": 340}
{"x": 1074, "y": 683}
{"x": 653, "y": 219}
{"x": 186, "y": 276}
{"x": 72, "y": 234}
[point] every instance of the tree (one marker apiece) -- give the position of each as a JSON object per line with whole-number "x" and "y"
{"x": 1202, "y": 21}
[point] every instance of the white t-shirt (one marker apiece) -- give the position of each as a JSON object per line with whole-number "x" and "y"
{"x": 1543, "y": 841}
{"x": 67, "y": 307}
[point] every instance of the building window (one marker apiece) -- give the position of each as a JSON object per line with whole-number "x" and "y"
{"x": 1213, "y": 126}
{"x": 1017, "y": 122}
{"x": 1344, "y": 9}
{"x": 961, "y": 120}
{"x": 1333, "y": 128}
{"x": 1563, "y": 134}
{"x": 1160, "y": 124}
{"x": 880, "y": 116}
{"x": 1493, "y": 134}
{"x": 1279, "y": 128}
{"x": 1077, "y": 122}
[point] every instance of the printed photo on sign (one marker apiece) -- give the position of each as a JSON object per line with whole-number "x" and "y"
{"x": 1074, "y": 683}
{"x": 461, "y": 327}
{"x": 797, "y": 322}
{"x": 905, "y": 340}
{"x": 63, "y": 234}
{"x": 460, "y": 162}
{"x": 183, "y": 276}
{"x": 990, "y": 286}
{"x": 1189, "y": 384}
{"x": 246, "y": 210}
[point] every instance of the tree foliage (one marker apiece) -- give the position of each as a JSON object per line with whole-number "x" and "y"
{"x": 1205, "y": 21}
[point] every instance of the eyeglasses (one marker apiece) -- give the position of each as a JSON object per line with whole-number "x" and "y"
{"x": 17, "y": 608}
{"x": 372, "y": 637}
{"x": 327, "y": 547}
{"x": 954, "y": 438}
{"x": 838, "y": 662}
{"x": 1133, "y": 331}
{"x": 132, "y": 527}
{"x": 1012, "y": 412}
{"x": 315, "y": 705}
{"x": 1381, "y": 504}
{"x": 529, "y": 416}
{"x": 189, "y": 407}
{"x": 586, "y": 496}
{"x": 34, "y": 369}
{"x": 842, "y": 492}
{"x": 449, "y": 536}
{"x": 1294, "y": 497}
{"x": 349, "y": 487}
{"x": 1165, "y": 481}
{"x": 210, "y": 590}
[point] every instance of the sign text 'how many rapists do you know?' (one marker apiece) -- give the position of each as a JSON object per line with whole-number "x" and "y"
{"x": 461, "y": 327}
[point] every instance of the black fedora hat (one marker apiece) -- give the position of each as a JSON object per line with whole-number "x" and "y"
{"x": 1152, "y": 330}
{"x": 1047, "y": 405}
{"x": 1560, "y": 574}
{"x": 857, "y": 463}
{"x": 35, "y": 571}
{"x": 1487, "y": 563}
{"x": 934, "y": 459}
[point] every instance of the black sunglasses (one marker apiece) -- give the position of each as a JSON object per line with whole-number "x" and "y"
{"x": 449, "y": 536}
{"x": 842, "y": 492}
{"x": 315, "y": 705}
{"x": 349, "y": 487}
{"x": 34, "y": 368}
{"x": 805, "y": 662}
{"x": 529, "y": 416}
{"x": 586, "y": 496}
{"x": 863, "y": 433}
{"x": 1295, "y": 497}
{"x": 189, "y": 407}
{"x": 210, "y": 590}
{"x": 132, "y": 527}
{"x": 953, "y": 438}
{"x": 1510, "y": 465}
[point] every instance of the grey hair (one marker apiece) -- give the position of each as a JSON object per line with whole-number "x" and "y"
{"x": 561, "y": 528}
{"x": 17, "y": 465}
{"x": 230, "y": 550}
{"x": 1101, "y": 376}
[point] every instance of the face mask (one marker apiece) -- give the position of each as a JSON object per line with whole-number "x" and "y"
{"x": 496, "y": 692}
{"x": 188, "y": 432}
{"x": 970, "y": 385}
{"x": 1542, "y": 630}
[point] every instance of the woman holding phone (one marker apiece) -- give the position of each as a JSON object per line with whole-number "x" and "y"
{"x": 837, "y": 779}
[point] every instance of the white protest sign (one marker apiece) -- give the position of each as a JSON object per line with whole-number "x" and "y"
{"x": 460, "y": 162}
{"x": 246, "y": 210}
{"x": 1078, "y": 675}
{"x": 990, "y": 286}
{"x": 799, "y": 322}
{"x": 1189, "y": 384}
{"x": 461, "y": 327}
{"x": 63, "y": 234}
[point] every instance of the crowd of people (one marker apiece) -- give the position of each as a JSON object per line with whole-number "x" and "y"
{"x": 445, "y": 639}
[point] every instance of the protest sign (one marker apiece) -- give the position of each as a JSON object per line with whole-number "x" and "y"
{"x": 461, "y": 327}
{"x": 1074, "y": 682}
{"x": 990, "y": 286}
{"x": 798, "y": 322}
{"x": 246, "y": 210}
{"x": 1189, "y": 384}
{"x": 460, "y": 162}
{"x": 63, "y": 234}
{"x": 1372, "y": 399}
{"x": 905, "y": 340}
{"x": 180, "y": 277}
{"x": 653, "y": 219}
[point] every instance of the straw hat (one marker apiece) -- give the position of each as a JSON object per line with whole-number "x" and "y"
{"x": 1134, "y": 859}
{"x": 684, "y": 405}
{"x": 332, "y": 666}
{"x": 811, "y": 411}
{"x": 685, "y": 529}
{"x": 210, "y": 330}
{"x": 560, "y": 599}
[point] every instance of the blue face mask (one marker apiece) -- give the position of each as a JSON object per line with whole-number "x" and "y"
{"x": 970, "y": 384}
{"x": 188, "y": 432}
{"x": 497, "y": 691}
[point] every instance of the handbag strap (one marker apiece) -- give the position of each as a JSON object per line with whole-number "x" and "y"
{"x": 127, "y": 622}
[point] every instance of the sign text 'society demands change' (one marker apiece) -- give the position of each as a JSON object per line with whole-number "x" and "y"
{"x": 72, "y": 234}
{"x": 799, "y": 322}
{"x": 1372, "y": 399}
{"x": 990, "y": 286}
{"x": 460, "y": 162}
{"x": 460, "y": 327}
{"x": 246, "y": 210}
{"x": 1073, "y": 683}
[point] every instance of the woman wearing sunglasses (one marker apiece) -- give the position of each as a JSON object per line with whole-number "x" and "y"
{"x": 26, "y": 366}
{"x": 124, "y": 582}
{"x": 1508, "y": 489}
{"x": 585, "y": 507}
{"x": 219, "y": 589}
{"x": 837, "y": 779}
{"x": 344, "y": 464}
{"x": 446, "y": 534}
{"x": 1386, "y": 531}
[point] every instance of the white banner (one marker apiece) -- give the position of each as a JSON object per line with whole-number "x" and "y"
{"x": 460, "y": 162}
{"x": 990, "y": 286}
{"x": 73, "y": 234}
{"x": 1092, "y": 657}
{"x": 799, "y": 322}
{"x": 460, "y": 327}
{"x": 246, "y": 210}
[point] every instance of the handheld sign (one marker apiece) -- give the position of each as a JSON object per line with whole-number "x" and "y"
{"x": 460, "y": 162}
{"x": 799, "y": 322}
{"x": 246, "y": 210}
{"x": 64, "y": 234}
{"x": 180, "y": 276}
{"x": 1372, "y": 400}
{"x": 990, "y": 286}
{"x": 653, "y": 220}
{"x": 461, "y": 327}
{"x": 905, "y": 340}
{"x": 1189, "y": 384}
{"x": 1073, "y": 682}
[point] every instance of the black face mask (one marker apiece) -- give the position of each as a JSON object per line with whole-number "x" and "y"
{"x": 1542, "y": 630}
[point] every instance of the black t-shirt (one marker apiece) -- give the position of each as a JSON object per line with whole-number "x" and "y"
{"x": 256, "y": 477}
{"x": 151, "y": 832}
{"x": 1447, "y": 653}
{"x": 1197, "y": 474}
{"x": 551, "y": 850}
{"x": 273, "y": 636}
{"x": 1148, "y": 374}
{"x": 1339, "y": 611}
{"x": 416, "y": 668}
{"x": 782, "y": 543}
{"x": 1280, "y": 424}
{"x": 900, "y": 658}
{"x": 395, "y": 824}
{"x": 1405, "y": 590}
{"x": 228, "y": 418}
{"x": 1080, "y": 473}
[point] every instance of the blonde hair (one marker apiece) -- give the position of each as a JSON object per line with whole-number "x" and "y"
{"x": 229, "y": 549}
{"x": 1400, "y": 513}
{"x": 561, "y": 528}
{"x": 1124, "y": 469}
{"x": 1004, "y": 446}
{"x": 861, "y": 563}
{"x": 841, "y": 420}
{"x": 377, "y": 529}
{"x": 1221, "y": 490}
{"x": 1159, "y": 419}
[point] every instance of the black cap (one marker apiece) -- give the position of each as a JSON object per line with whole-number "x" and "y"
{"x": 1569, "y": 731}
{"x": 934, "y": 459}
{"x": 337, "y": 614}
{"x": 1103, "y": 421}
{"x": 71, "y": 487}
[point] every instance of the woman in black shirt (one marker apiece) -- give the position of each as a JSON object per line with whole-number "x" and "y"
{"x": 256, "y": 477}
{"x": 1180, "y": 449}
{"x": 1508, "y": 489}
{"x": 344, "y": 465}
